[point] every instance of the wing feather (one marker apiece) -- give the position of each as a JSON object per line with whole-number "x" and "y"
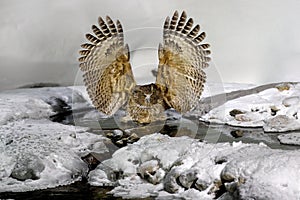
{"x": 106, "y": 69}
{"x": 181, "y": 62}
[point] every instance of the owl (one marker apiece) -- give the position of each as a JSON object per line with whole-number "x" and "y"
{"x": 110, "y": 83}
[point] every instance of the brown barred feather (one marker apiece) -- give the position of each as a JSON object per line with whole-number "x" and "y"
{"x": 188, "y": 26}
{"x": 181, "y": 21}
{"x": 84, "y": 52}
{"x": 82, "y": 59}
{"x": 200, "y": 37}
{"x": 111, "y": 25}
{"x": 204, "y": 46}
{"x": 174, "y": 21}
{"x": 181, "y": 62}
{"x": 87, "y": 46}
{"x": 106, "y": 69}
{"x": 103, "y": 27}
{"x": 98, "y": 32}
{"x": 92, "y": 38}
{"x": 195, "y": 31}
{"x": 167, "y": 23}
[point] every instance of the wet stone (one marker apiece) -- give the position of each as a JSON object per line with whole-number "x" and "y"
{"x": 235, "y": 112}
{"x": 188, "y": 178}
{"x": 28, "y": 167}
{"x": 274, "y": 110}
{"x": 283, "y": 86}
{"x": 170, "y": 181}
{"x": 237, "y": 133}
{"x": 201, "y": 185}
{"x": 91, "y": 160}
{"x": 243, "y": 118}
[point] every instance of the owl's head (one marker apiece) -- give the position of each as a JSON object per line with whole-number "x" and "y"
{"x": 147, "y": 95}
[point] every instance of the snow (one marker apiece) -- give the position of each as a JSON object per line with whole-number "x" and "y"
{"x": 14, "y": 107}
{"x": 290, "y": 138}
{"x": 37, "y": 153}
{"x": 214, "y": 88}
{"x": 275, "y": 110}
{"x": 196, "y": 170}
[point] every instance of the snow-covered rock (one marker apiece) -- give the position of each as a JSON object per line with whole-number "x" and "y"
{"x": 38, "y": 154}
{"x": 264, "y": 109}
{"x": 189, "y": 169}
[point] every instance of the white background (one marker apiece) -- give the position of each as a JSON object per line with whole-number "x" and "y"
{"x": 252, "y": 41}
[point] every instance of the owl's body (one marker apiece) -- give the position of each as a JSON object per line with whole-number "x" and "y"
{"x": 179, "y": 83}
{"x": 146, "y": 104}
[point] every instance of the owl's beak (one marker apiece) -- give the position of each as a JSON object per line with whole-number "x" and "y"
{"x": 147, "y": 98}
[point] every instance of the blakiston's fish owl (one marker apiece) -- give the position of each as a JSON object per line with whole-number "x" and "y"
{"x": 109, "y": 79}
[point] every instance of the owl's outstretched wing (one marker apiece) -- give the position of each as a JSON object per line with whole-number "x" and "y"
{"x": 106, "y": 69}
{"x": 182, "y": 58}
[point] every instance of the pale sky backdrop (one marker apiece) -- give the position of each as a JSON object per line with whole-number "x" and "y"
{"x": 251, "y": 41}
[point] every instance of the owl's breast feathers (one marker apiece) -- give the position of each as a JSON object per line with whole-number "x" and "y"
{"x": 147, "y": 104}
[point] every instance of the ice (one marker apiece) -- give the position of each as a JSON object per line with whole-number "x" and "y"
{"x": 275, "y": 109}
{"x": 197, "y": 170}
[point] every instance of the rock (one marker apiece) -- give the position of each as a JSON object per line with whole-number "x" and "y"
{"x": 187, "y": 178}
{"x": 243, "y": 118}
{"x": 290, "y": 101}
{"x": 149, "y": 170}
{"x": 281, "y": 123}
{"x": 290, "y": 138}
{"x": 237, "y": 133}
{"x": 28, "y": 167}
{"x": 133, "y": 138}
{"x": 170, "y": 181}
{"x": 201, "y": 184}
{"x": 283, "y": 86}
{"x": 235, "y": 112}
{"x": 117, "y": 133}
{"x": 274, "y": 110}
{"x": 91, "y": 160}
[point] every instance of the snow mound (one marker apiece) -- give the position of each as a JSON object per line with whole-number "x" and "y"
{"x": 175, "y": 168}
{"x": 35, "y": 103}
{"x": 275, "y": 110}
{"x": 38, "y": 154}
{"x": 15, "y": 106}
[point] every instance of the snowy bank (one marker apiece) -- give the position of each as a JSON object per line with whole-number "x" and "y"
{"x": 275, "y": 109}
{"x": 39, "y": 154}
{"x": 173, "y": 168}
{"x": 35, "y": 152}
